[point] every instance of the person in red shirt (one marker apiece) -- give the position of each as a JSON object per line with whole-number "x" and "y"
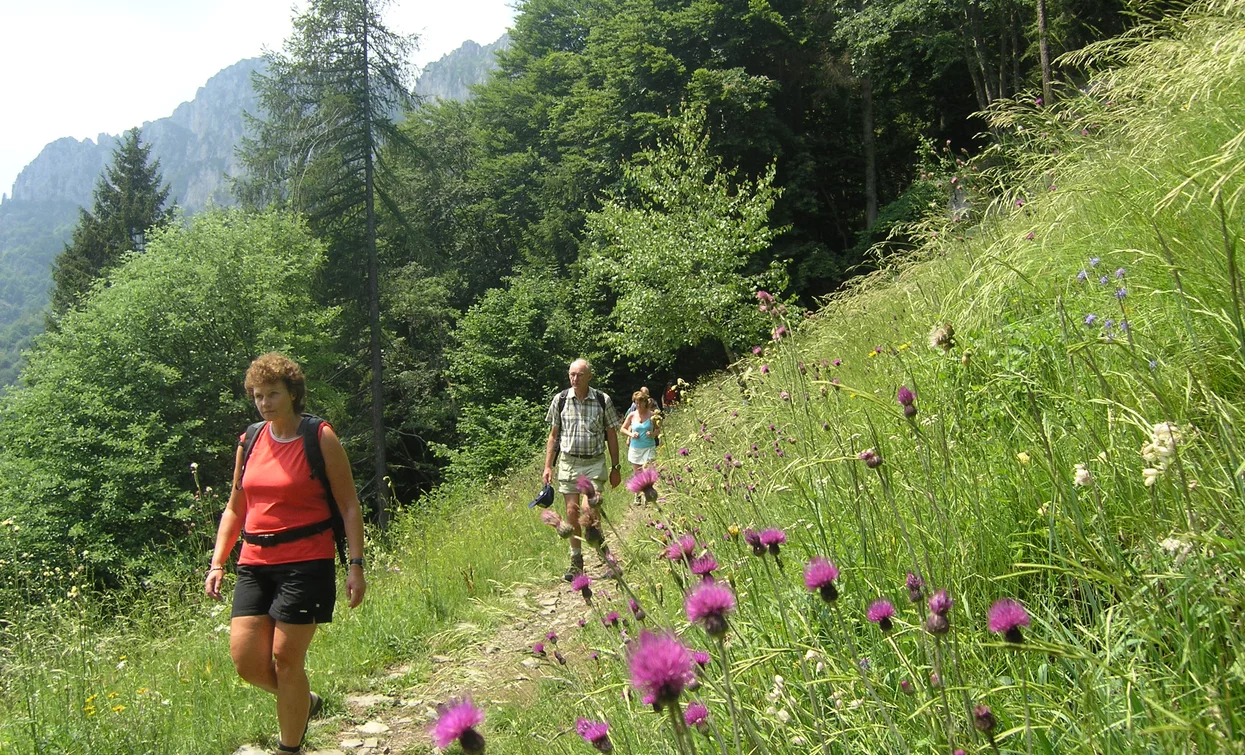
{"x": 284, "y": 590}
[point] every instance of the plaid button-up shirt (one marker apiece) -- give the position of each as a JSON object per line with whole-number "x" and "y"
{"x": 582, "y": 424}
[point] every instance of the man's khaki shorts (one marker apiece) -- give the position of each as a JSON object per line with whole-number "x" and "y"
{"x": 571, "y": 469}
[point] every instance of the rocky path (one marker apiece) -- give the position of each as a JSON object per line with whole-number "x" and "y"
{"x": 494, "y": 665}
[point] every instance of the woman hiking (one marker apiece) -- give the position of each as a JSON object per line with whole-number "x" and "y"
{"x": 286, "y": 576}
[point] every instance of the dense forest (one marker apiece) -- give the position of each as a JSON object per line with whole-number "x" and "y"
{"x": 626, "y": 180}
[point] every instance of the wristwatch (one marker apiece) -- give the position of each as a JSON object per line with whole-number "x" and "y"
{"x": 617, "y": 466}
{"x": 356, "y": 562}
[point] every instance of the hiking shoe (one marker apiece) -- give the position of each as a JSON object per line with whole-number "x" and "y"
{"x": 577, "y": 567}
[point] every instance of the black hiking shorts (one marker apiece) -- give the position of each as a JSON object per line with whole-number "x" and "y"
{"x": 303, "y": 592}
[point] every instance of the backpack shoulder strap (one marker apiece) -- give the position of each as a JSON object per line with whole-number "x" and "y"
{"x": 248, "y": 445}
{"x": 562, "y": 403}
{"x": 309, "y": 427}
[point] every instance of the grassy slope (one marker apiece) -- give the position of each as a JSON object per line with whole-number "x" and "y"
{"x": 1134, "y": 590}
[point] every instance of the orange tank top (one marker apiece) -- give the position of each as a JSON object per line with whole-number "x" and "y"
{"x": 281, "y": 494}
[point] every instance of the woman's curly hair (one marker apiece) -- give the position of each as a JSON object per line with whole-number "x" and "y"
{"x": 272, "y": 367}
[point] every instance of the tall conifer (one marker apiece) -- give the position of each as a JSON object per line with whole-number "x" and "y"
{"x": 329, "y": 99}
{"x": 128, "y": 202}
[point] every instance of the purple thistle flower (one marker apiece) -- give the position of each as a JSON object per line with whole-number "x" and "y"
{"x": 1119, "y": 273}
{"x": 1091, "y": 318}
{"x": 1029, "y": 236}
{"x": 906, "y": 687}
{"x": 585, "y": 486}
{"x": 708, "y": 605}
{"x": 784, "y": 395}
{"x": 697, "y": 715}
{"x": 765, "y": 297}
{"x": 636, "y": 609}
{"x": 905, "y": 396}
{"x": 819, "y": 575}
{"x": 753, "y": 538}
{"x": 880, "y": 613}
{"x": 756, "y": 350}
{"x": 915, "y": 585}
{"x": 1082, "y": 276}
{"x": 983, "y": 720}
{"x": 870, "y": 457}
{"x": 539, "y": 649}
{"x": 773, "y": 539}
{"x": 1120, "y": 293}
{"x": 456, "y": 721}
{"x": 610, "y": 619}
{"x": 583, "y": 622}
{"x": 643, "y": 482}
{"x": 704, "y": 566}
{"x": 939, "y": 606}
{"x": 681, "y": 549}
{"x": 559, "y": 658}
{"x": 837, "y": 363}
{"x": 551, "y": 636}
{"x": 582, "y": 584}
{"x": 765, "y": 369}
{"x": 1006, "y": 617}
{"x": 701, "y": 658}
{"x": 660, "y": 668}
{"x": 595, "y": 733}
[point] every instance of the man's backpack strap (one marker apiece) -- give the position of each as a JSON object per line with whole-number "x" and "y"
{"x": 309, "y": 429}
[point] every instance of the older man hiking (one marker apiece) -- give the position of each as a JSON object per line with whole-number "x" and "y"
{"x": 583, "y": 424}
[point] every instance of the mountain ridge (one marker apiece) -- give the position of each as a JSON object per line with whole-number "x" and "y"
{"x": 195, "y": 145}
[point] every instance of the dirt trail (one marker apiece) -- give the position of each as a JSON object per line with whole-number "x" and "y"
{"x": 391, "y": 713}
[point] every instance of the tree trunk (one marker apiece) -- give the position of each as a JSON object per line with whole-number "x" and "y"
{"x": 373, "y": 294}
{"x": 871, "y": 167}
{"x": 1048, "y": 94}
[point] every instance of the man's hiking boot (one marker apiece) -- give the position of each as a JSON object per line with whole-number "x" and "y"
{"x": 577, "y": 567}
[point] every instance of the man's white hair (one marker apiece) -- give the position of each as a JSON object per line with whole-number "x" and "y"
{"x": 587, "y": 365}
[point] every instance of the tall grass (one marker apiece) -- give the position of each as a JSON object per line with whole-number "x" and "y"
{"x": 1129, "y": 564}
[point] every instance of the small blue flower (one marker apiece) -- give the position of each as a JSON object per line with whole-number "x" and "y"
{"x": 1120, "y": 293}
{"x": 1108, "y": 324}
{"x": 1154, "y": 365}
{"x": 1104, "y": 280}
{"x": 1091, "y": 318}
{"x": 1082, "y": 276}
{"x": 1119, "y": 273}
{"x": 1093, "y": 261}
{"x": 1124, "y": 326}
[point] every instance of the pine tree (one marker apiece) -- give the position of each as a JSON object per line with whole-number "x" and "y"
{"x": 128, "y": 202}
{"x": 330, "y": 98}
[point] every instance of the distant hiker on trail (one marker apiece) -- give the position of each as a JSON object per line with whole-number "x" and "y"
{"x": 293, "y": 500}
{"x": 583, "y": 424}
{"x": 643, "y": 426}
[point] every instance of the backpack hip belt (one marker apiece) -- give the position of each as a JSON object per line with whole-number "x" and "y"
{"x": 266, "y": 539}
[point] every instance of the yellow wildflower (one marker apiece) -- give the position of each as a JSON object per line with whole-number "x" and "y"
{"x": 118, "y": 708}
{"x": 1023, "y": 458}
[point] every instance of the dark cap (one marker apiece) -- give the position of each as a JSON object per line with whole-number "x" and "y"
{"x": 544, "y": 500}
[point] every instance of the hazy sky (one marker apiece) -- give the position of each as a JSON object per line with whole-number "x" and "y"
{"x": 81, "y": 67}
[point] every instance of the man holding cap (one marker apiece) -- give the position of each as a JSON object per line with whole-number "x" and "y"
{"x": 583, "y": 424}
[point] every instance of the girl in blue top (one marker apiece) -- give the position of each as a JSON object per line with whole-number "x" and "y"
{"x": 642, "y": 425}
